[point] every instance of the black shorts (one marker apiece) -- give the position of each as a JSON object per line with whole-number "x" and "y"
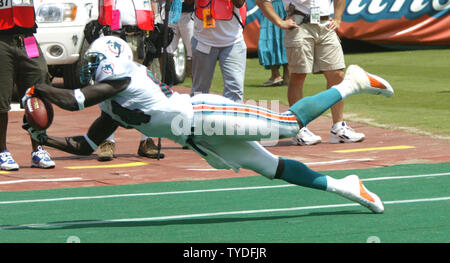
{"x": 16, "y": 68}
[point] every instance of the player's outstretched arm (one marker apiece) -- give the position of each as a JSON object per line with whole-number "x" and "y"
{"x": 86, "y": 144}
{"x": 78, "y": 99}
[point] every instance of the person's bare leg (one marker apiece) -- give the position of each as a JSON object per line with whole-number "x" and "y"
{"x": 286, "y": 75}
{"x": 275, "y": 73}
{"x": 275, "y": 77}
{"x": 340, "y": 131}
{"x": 295, "y": 93}
{"x": 335, "y": 77}
{"x": 295, "y": 87}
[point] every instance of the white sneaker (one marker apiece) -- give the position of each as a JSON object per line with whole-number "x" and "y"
{"x": 306, "y": 137}
{"x": 7, "y": 163}
{"x": 341, "y": 133}
{"x": 367, "y": 83}
{"x": 41, "y": 159}
{"x": 353, "y": 189}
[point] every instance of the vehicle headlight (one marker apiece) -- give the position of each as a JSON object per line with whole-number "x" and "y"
{"x": 56, "y": 13}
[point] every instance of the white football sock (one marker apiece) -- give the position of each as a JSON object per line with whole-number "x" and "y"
{"x": 345, "y": 88}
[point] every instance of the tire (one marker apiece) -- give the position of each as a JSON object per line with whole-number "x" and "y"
{"x": 71, "y": 73}
{"x": 179, "y": 58}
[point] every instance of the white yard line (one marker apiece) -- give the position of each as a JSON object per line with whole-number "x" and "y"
{"x": 42, "y": 180}
{"x": 190, "y": 216}
{"x": 201, "y": 190}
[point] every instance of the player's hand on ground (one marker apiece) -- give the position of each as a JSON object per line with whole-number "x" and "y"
{"x": 28, "y": 94}
{"x": 37, "y": 135}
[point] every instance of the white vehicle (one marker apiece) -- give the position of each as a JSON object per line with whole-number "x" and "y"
{"x": 60, "y": 34}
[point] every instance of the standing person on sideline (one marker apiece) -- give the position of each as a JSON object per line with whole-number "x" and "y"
{"x": 271, "y": 51}
{"x": 218, "y": 27}
{"x": 313, "y": 46}
{"x": 128, "y": 96}
{"x": 184, "y": 29}
{"x": 131, "y": 20}
{"x": 23, "y": 65}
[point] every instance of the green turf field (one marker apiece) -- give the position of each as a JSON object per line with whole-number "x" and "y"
{"x": 247, "y": 209}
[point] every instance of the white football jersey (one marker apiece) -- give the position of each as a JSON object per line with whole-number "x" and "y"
{"x": 146, "y": 104}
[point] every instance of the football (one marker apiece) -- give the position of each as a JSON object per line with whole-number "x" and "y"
{"x": 39, "y": 113}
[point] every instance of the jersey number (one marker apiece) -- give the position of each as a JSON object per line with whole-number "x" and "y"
{"x": 132, "y": 117}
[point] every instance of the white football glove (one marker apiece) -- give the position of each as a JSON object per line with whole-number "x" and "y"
{"x": 28, "y": 94}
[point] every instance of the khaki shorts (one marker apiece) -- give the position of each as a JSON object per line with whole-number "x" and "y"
{"x": 313, "y": 48}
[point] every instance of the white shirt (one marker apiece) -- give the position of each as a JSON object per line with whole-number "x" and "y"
{"x": 128, "y": 9}
{"x": 304, "y": 6}
{"x": 127, "y": 12}
{"x": 226, "y": 32}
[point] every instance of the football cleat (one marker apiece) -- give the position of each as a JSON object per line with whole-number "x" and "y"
{"x": 353, "y": 189}
{"x": 342, "y": 133}
{"x": 147, "y": 148}
{"x": 7, "y": 163}
{"x": 41, "y": 159}
{"x": 367, "y": 83}
{"x": 106, "y": 151}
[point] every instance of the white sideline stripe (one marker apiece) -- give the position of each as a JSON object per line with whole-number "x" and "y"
{"x": 341, "y": 161}
{"x": 311, "y": 163}
{"x": 42, "y": 180}
{"x": 188, "y": 216}
{"x": 201, "y": 190}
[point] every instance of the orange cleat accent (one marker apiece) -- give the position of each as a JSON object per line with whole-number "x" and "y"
{"x": 363, "y": 192}
{"x": 375, "y": 83}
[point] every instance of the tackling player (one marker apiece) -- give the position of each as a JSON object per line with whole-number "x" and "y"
{"x": 223, "y": 132}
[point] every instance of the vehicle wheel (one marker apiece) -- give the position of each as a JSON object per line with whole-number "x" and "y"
{"x": 179, "y": 58}
{"x": 71, "y": 73}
